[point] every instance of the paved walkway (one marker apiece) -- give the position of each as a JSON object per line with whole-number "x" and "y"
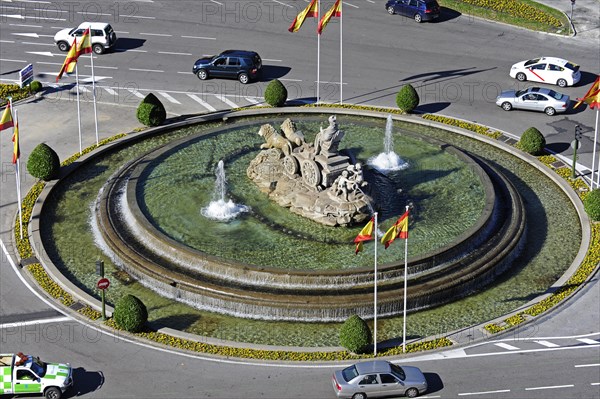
{"x": 586, "y": 17}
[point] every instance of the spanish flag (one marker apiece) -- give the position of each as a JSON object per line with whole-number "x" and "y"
{"x": 7, "y": 119}
{"x": 365, "y": 234}
{"x": 398, "y": 230}
{"x": 334, "y": 11}
{"x": 311, "y": 10}
{"x": 85, "y": 46}
{"x": 16, "y": 149}
{"x": 592, "y": 97}
{"x": 70, "y": 61}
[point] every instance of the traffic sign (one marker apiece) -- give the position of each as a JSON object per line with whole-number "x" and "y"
{"x": 26, "y": 76}
{"x": 103, "y": 284}
{"x": 575, "y": 144}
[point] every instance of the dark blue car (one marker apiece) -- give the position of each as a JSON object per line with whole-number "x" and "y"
{"x": 419, "y": 10}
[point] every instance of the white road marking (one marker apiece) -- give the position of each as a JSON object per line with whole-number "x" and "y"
{"x": 549, "y": 387}
{"x": 588, "y": 341}
{"x": 27, "y": 26}
{"x": 547, "y": 344}
{"x": 146, "y": 70}
{"x": 156, "y": 34}
{"x": 270, "y": 60}
{"x": 252, "y": 100}
{"x": 32, "y": 322}
{"x": 199, "y": 37}
{"x": 40, "y": 44}
{"x": 137, "y": 51}
{"x": 202, "y": 102}
{"x": 8, "y": 60}
{"x": 506, "y": 346}
{"x": 168, "y": 97}
{"x": 216, "y": 2}
{"x": 135, "y": 92}
{"x": 595, "y": 383}
{"x": 102, "y": 67}
{"x": 588, "y": 365}
{"x": 351, "y": 5}
{"x": 7, "y": 41}
{"x": 291, "y": 80}
{"x": 12, "y": 16}
{"x": 483, "y": 393}
{"x": 283, "y": 4}
{"x": 111, "y": 91}
{"x": 48, "y": 63}
{"x": 45, "y": 53}
{"x": 226, "y": 101}
{"x": 167, "y": 52}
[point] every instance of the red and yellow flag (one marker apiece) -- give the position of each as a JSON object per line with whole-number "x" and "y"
{"x": 592, "y": 97}
{"x": 85, "y": 46}
{"x": 334, "y": 11}
{"x": 16, "y": 148}
{"x": 398, "y": 230}
{"x": 70, "y": 61}
{"x": 365, "y": 234}
{"x": 311, "y": 10}
{"x": 7, "y": 120}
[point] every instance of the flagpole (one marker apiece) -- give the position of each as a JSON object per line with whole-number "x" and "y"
{"x": 318, "y": 51}
{"x": 78, "y": 108}
{"x": 405, "y": 288}
{"x": 341, "y": 57}
{"x": 375, "y": 292}
{"x": 17, "y": 175}
{"x": 594, "y": 156}
{"x": 94, "y": 94}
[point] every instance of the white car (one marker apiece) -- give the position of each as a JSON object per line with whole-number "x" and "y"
{"x": 103, "y": 37}
{"x": 551, "y": 70}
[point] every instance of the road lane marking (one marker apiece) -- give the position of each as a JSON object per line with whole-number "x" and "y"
{"x": 135, "y": 92}
{"x": 216, "y": 2}
{"x": 9, "y": 60}
{"x": 27, "y": 26}
{"x": 146, "y": 70}
{"x": 547, "y": 344}
{"x": 101, "y": 67}
{"x": 226, "y": 101}
{"x": 156, "y": 34}
{"x": 283, "y": 4}
{"x": 549, "y": 387}
{"x": 595, "y": 383}
{"x": 111, "y": 91}
{"x": 32, "y": 322}
{"x": 506, "y": 346}
{"x": 48, "y": 63}
{"x": 202, "y": 102}
{"x": 132, "y": 50}
{"x": 40, "y": 44}
{"x": 170, "y": 53}
{"x": 351, "y": 5}
{"x": 199, "y": 37}
{"x": 588, "y": 341}
{"x": 588, "y": 365}
{"x": 271, "y": 60}
{"x": 252, "y": 100}
{"x": 291, "y": 80}
{"x": 168, "y": 97}
{"x": 483, "y": 393}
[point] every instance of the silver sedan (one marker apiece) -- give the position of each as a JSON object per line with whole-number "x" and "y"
{"x": 534, "y": 99}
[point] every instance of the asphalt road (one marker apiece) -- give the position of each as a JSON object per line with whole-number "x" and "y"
{"x": 457, "y": 66}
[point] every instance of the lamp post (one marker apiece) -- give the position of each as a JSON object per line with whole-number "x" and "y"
{"x": 575, "y": 144}
{"x": 572, "y": 7}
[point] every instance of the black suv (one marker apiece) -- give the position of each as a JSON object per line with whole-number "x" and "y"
{"x": 234, "y": 64}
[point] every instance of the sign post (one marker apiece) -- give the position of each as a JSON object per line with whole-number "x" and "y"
{"x": 26, "y": 76}
{"x": 575, "y": 144}
{"x": 102, "y": 285}
{"x": 572, "y": 7}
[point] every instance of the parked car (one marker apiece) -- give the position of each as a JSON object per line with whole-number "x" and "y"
{"x": 378, "y": 378}
{"x": 103, "y": 36}
{"x": 534, "y": 99}
{"x": 551, "y": 70}
{"x": 419, "y": 10}
{"x": 232, "y": 64}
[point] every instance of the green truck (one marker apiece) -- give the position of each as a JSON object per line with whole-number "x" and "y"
{"x": 26, "y": 374}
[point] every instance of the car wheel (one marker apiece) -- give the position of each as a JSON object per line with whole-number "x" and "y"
{"x": 243, "y": 78}
{"x": 550, "y": 111}
{"x": 63, "y": 46}
{"x": 359, "y": 395}
{"x": 98, "y": 48}
{"x": 390, "y": 10}
{"x": 202, "y": 74}
{"x": 521, "y": 77}
{"x": 506, "y": 106}
{"x": 562, "y": 83}
{"x": 52, "y": 393}
{"x": 418, "y": 18}
{"x": 412, "y": 393}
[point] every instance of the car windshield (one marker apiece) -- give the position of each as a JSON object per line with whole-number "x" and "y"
{"x": 534, "y": 61}
{"x": 555, "y": 95}
{"x": 349, "y": 373}
{"x": 38, "y": 367}
{"x": 520, "y": 92}
{"x": 397, "y": 370}
{"x": 572, "y": 66}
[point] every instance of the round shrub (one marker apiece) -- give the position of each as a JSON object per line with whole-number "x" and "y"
{"x": 591, "y": 204}
{"x": 130, "y": 313}
{"x": 151, "y": 112}
{"x": 407, "y": 99}
{"x": 43, "y": 163}
{"x": 355, "y": 334}
{"x": 276, "y": 94}
{"x": 532, "y": 141}
{"x": 35, "y": 86}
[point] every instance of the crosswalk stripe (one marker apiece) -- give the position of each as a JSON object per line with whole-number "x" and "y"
{"x": 168, "y": 97}
{"x": 111, "y": 91}
{"x": 227, "y": 101}
{"x": 506, "y": 346}
{"x": 84, "y": 89}
{"x": 135, "y": 92}
{"x": 588, "y": 341}
{"x": 547, "y": 344}
{"x": 252, "y": 100}
{"x": 202, "y": 102}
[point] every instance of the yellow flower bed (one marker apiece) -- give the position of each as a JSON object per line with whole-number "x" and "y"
{"x": 517, "y": 9}
{"x": 23, "y": 244}
{"x": 13, "y": 91}
{"x": 464, "y": 125}
{"x": 91, "y": 148}
{"x": 49, "y": 285}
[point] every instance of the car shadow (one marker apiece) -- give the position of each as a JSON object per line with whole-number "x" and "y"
{"x": 270, "y": 72}
{"x": 128, "y": 43}
{"x": 85, "y": 382}
{"x": 586, "y": 78}
{"x": 447, "y": 14}
{"x": 434, "y": 382}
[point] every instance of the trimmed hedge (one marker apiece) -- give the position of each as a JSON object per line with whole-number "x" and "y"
{"x": 407, "y": 99}
{"x": 532, "y": 141}
{"x": 130, "y": 313}
{"x": 43, "y": 163}
{"x": 355, "y": 334}
{"x": 35, "y": 86}
{"x": 591, "y": 203}
{"x": 151, "y": 112}
{"x": 276, "y": 93}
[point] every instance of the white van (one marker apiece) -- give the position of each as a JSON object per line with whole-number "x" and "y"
{"x": 103, "y": 36}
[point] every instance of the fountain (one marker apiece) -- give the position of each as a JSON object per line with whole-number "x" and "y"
{"x": 388, "y": 160}
{"x": 221, "y": 208}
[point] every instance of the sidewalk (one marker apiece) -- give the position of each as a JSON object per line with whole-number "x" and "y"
{"x": 586, "y": 17}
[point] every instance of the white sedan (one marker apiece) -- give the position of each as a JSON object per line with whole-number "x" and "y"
{"x": 549, "y": 70}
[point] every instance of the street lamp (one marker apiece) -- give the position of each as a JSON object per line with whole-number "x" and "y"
{"x": 575, "y": 144}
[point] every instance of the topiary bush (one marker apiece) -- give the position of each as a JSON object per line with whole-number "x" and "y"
{"x": 276, "y": 93}
{"x": 35, "y": 86}
{"x": 355, "y": 334}
{"x": 151, "y": 112}
{"x": 407, "y": 99}
{"x": 43, "y": 163}
{"x": 532, "y": 141}
{"x": 591, "y": 204}
{"x": 130, "y": 313}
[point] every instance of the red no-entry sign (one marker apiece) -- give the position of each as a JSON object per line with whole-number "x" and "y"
{"x": 103, "y": 284}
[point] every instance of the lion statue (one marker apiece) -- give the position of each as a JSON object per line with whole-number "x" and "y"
{"x": 289, "y": 129}
{"x": 274, "y": 139}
